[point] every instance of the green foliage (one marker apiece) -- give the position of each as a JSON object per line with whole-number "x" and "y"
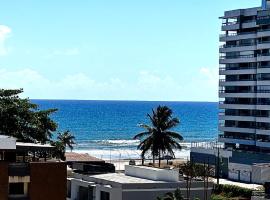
{"x": 176, "y": 195}
{"x": 59, "y": 150}
{"x": 158, "y": 138}
{"x": 231, "y": 191}
{"x": 22, "y": 119}
{"x": 67, "y": 139}
{"x": 218, "y": 197}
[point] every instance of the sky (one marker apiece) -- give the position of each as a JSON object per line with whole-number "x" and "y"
{"x": 162, "y": 50}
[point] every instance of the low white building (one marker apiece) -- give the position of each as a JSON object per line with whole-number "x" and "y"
{"x": 137, "y": 183}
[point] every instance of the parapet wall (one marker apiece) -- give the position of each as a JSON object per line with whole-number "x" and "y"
{"x": 152, "y": 173}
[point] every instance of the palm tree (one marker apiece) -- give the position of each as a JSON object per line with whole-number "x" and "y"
{"x": 67, "y": 139}
{"x": 158, "y": 138}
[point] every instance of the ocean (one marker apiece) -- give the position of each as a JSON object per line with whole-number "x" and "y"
{"x": 105, "y": 128}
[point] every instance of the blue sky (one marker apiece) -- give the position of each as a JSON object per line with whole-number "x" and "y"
{"x": 113, "y": 50}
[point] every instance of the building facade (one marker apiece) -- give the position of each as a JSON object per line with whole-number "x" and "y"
{"x": 26, "y": 173}
{"x": 138, "y": 182}
{"x": 245, "y": 79}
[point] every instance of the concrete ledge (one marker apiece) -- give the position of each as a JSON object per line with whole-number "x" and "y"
{"x": 152, "y": 173}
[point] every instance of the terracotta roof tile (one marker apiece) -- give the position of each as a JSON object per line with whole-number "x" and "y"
{"x": 79, "y": 157}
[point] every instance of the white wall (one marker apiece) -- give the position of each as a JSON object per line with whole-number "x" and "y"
{"x": 244, "y": 170}
{"x": 7, "y": 142}
{"x": 152, "y": 173}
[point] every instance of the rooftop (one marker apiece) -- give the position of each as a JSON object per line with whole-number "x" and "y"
{"x": 124, "y": 179}
{"x": 78, "y": 157}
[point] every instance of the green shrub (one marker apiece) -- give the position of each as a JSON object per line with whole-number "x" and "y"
{"x": 232, "y": 191}
{"x": 218, "y": 197}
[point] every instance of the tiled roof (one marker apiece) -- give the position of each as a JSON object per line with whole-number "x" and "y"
{"x": 80, "y": 157}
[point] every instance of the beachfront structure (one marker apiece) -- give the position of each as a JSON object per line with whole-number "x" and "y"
{"x": 26, "y": 172}
{"x": 245, "y": 79}
{"x": 86, "y": 164}
{"x": 138, "y": 182}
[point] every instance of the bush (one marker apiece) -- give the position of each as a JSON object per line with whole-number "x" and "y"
{"x": 218, "y": 197}
{"x": 232, "y": 191}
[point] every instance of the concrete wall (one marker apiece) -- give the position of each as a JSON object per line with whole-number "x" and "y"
{"x": 48, "y": 181}
{"x": 152, "y": 173}
{"x": 3, "y": 181}
{"x": 240, "y": 172}
{"x": 260, "y": 174}
{"x": 7, "y": 143}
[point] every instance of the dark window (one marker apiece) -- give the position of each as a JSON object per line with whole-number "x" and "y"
{"x": 104, "y": 195}
{"x": 16, "y": 188}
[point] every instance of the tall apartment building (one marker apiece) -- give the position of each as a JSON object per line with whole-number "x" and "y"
{"x": 245, "y": 79}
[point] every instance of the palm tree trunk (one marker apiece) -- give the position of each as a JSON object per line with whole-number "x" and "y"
{"x": 159, "y": 159}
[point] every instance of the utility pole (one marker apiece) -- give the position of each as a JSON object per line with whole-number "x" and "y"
{"x": 218, "y": 167}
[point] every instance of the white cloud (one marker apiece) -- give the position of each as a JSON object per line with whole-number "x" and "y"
{"x": 5, "y": 32}
{"x": 147, "y": 85}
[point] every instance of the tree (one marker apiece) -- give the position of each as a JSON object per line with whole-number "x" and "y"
{"x": 59, "y": 150}
{"x": 158, "y": 138}
{"x": 67, "y": 139}
{"x": 191, "y": 170}
{"x": 176, "y": 195}
{"x": 23, "y": 120}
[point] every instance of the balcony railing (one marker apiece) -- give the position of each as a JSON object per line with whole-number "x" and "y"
{"x": 238, "y": 91}
{"x": 244, "y": 91}
{"x": 238, "y": 56}
{"x": 238, "y": 68}
{"x": 236, "y": 34}
{"x": 236, "y": 138}
{"x": 229, "y": 23}
{"x": 237, "y": 45}
{"x": 237, "y": 80}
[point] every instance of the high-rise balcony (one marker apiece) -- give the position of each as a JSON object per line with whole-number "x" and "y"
{"x": 235, "y": 140}
{"x": 263, "y": 33}
{"x": 237, "y": 118}
{"x": 238, "y": 70}
{"x": 237, "y": 94}
{"x": 239, "y": 47}
{"x": 262, "y": 132}
{"x": 263, "y": 57}
{"x": 237, "y": 36}
{"x": 236, "y": 129}
{"x": 265, "y": 144}
{"x": 237, "y": 106}
{"x": 230, "y": 26}
{"x": 237, "y": 59}
{"x": 237, "y": 82}
{"x": 263, "y": 45}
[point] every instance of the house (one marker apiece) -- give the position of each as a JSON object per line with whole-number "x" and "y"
{"x": 138, "y": 182}
{"x": 27, "y": 171}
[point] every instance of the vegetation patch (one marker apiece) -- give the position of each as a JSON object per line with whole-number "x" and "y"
{"x": 223, "y": 192}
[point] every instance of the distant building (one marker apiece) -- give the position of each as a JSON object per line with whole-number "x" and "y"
{"x": 26, "y": 173}
{"x": 244, "y": 119}
{"x": 86, "y": 164}
{"x": 137, "y": 183}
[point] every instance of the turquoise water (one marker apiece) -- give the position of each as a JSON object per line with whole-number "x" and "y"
{"x": 107, "y": 127}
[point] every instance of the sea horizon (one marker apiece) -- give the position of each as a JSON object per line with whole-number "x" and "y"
{"x": 105, "y": 128}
